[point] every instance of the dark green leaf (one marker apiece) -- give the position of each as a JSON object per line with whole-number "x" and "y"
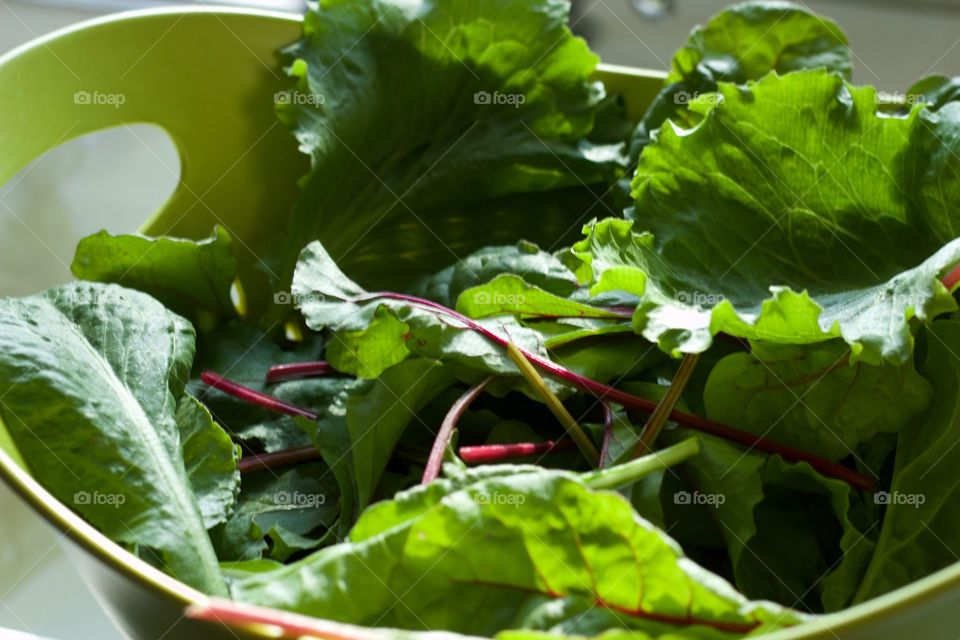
{"x": 459, "y": 107}
{"x": 191, "y": 278}
{"x": 919, "y": 533}
{"x": 89, "y": 376}
{"x": 210, "y": 458}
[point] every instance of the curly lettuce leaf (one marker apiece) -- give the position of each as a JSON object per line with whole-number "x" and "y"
{"x": 90, "y": 375}
{"x": 793, "y": 213}
{"x": 506, "y": 548}
{"x": 465, "y": 114}
{"x": 744, "y": 42}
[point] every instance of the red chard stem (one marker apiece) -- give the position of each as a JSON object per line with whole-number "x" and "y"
{"x": 254, "y": 397}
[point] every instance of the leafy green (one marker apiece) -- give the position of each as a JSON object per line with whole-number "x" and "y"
{"x": 372, "y": 332}
{"x": 278, "y": 512}
{"x": 509, "y": 545}
{"x": 465, "y": 113}
{"x": 744, "y": 42}
{"x": 190, "y": 278}
{"x": 919, "y": 533}
{"x": 525, "y": 259}
{"x": 842, "y": 222}
{"x": 378, "y": 411}
{"x": 89, "y": 376}
{"x": 511, "y": 294}
{"x": 210, "y": 459}
{"x": 811, "y": 398}
{"x": 934, "y": 91}
{"x": 245, "y": 354}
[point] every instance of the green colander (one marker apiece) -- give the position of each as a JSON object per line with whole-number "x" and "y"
{"x": 207, "y": 76}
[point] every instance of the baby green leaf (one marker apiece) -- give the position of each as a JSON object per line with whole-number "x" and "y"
{"x": 843, "y": 219}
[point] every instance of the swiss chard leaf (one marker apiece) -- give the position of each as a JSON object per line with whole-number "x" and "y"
{"x": 811, "y": 398}
{"x": 191, "y": 278}
{"x": 90, "y": 375}
{"x": 510, "y": 294}
{"x": 511, "y": 547}
{"x": 372, "y": 331}
{"x": 245, "y": 354}
{"x": 510, "y": 116}
{"x": 843, "y": 221}
{"x": 379, "y": 411}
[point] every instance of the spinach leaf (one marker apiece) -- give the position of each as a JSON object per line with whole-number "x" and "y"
{"x": 210, "y": 458}
{"x": 191, "y": 278}
{"x": 279, "y": 512}
{"x": 90, "y": 375}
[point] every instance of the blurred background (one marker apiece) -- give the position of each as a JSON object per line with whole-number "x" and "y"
{"x": 115, "y": 179}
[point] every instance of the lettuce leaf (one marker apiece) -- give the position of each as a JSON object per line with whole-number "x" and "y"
{"x": 742, "y": 43}
{"x": 793, "y": 213}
